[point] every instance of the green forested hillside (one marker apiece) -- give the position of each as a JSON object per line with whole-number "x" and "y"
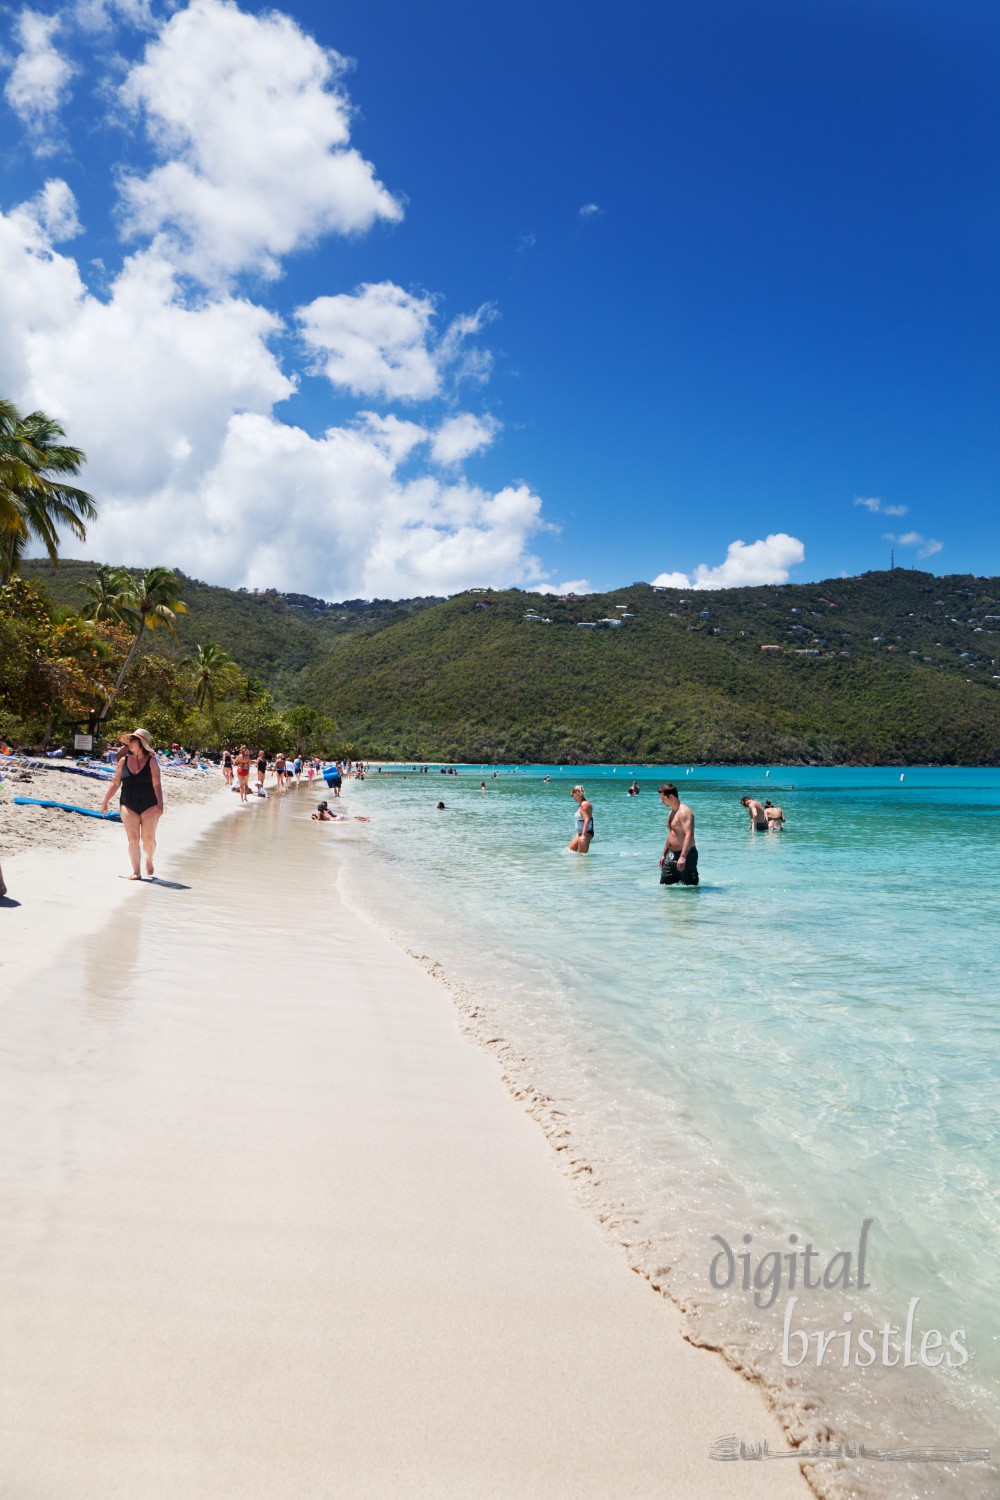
{"x": 888, "y": 667}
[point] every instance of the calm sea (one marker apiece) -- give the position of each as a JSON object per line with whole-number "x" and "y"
{"x": 809, "y": 1040}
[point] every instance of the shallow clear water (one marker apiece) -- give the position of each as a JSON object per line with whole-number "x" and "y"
{"x": 809, "y": 1040}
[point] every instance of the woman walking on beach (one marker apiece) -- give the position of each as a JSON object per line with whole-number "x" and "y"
{"x": 138, "y": 776}
{"x": 227, "y": 767}
{"x": 243, "y": 771}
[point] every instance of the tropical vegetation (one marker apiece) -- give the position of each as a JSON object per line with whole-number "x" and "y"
{"x": 889, "y": 667}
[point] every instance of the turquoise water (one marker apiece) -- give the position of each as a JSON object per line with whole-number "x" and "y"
{"x": 809, "y": 1040}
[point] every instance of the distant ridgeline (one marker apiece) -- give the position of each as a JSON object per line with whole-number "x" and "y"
{"x": 891, "y": 667}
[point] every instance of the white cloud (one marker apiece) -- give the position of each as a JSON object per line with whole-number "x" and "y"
{"x": 330, "y": 516}
{"x": 38, "y": 85}
{"x": 53, "y": 211}
{"x": 172, "y": 391}
{"x": 247, "y": 111}
{"x": 874, "y": 504}
{"x": 745, "y": 565}
{"x": 589, "y": 211}
{"x": 571, "y": 586}
{"x": 379, "y": 341}
{"x": 373, "y": 341}
{"x": 173, "y": 400}
{"x": 459, "y": 437}
{"x": 104, "y": 15}
{"x": 928, "y": 545}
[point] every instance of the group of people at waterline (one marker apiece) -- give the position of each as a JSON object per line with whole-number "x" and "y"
{"x": 237, "y": 766}
{"x": 137, "y": 781}
{"x": 139, "y": 786}
{"x": 679, "y": 860}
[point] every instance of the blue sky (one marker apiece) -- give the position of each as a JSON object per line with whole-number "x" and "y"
{"x": 536, "y": 294}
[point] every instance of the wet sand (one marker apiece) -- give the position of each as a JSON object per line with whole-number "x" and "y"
{"x": 273, "y": 1228}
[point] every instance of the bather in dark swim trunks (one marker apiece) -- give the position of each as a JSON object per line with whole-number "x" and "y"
{"x": 670, "y": 875}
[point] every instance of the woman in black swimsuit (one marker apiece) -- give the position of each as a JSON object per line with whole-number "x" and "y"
{"x": 138, "y": 776}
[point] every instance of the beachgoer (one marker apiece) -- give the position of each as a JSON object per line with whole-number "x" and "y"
{"x": 440, "y": 807}
{"x": 335, "y": 779}
{"x": 227, "y": 767}
{"x": 137, "y": 775}
{"x": 261, "y": 769}
{"x": 581, "y": 840}
{"x": 756, "y": 811}
{"x": 241, "y": 762}
{"x": 482, "y": 786}
{"x": 297, "y": 767}
{"x": 3, "y": 888}
{"x": 679, "y": 860}
{"x": 280, "y": 770}
{"x": 324, "y": 815}
{"x": 633, "y": 790}
{"x": 775, "y": 817}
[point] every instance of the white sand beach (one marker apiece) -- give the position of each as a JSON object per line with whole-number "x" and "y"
{"x": 274, "y": 1228}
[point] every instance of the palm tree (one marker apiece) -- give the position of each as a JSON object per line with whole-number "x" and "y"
{"x": 146, "y": 603}
{"x": 34, "y": 501}
{"x": 212, "y": 669}
{"x": 108, "y": 594}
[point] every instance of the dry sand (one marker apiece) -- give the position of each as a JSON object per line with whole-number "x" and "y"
{"x": 273, "y": 1228}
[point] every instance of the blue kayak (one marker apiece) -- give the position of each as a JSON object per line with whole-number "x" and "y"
{"x": 87, "y": 812}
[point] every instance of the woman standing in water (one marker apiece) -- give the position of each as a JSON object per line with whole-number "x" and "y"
{"x": 580, "y": 842}
{"x": 138, "y": 776}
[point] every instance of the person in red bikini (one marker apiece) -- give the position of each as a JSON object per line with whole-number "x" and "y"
{"x": 243, "y": 771}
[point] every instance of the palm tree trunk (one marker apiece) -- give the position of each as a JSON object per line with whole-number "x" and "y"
{"x": 121, "y": 675}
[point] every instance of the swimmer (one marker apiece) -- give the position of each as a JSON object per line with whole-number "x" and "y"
{"x": 324, "y": 815}
{"x": 440, "y": 807}
{"x": 756, "y": 811}
{"x": 679, "y": 860}
{"x": 775, "y": 817}
{"x": 582, "y": 838}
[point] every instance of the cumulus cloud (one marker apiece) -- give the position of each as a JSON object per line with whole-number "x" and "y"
{"x": 366, "y": 529}
{"x": 875, "y": 505}
{"x": 589, "y": 211}
{"x": 379, "y": 341}
{"x": 53, "y": 212}
{"x": 39, "y": 81}
{"x": 104, "y": 15}
{"x": 459, "y": 437}
{"x": 254, "y": 129}
{"x": 173, "y": 400}
{"x": 171, "y": 378}
{"x": 927, "y": 546}
{"x": 745, "y": 564}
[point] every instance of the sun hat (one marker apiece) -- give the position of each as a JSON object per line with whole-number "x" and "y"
{"x": 142, "y": 735}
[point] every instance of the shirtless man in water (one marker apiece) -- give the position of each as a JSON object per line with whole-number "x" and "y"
{"x": 756, "y": 810}
{"x": 679, "y": 861}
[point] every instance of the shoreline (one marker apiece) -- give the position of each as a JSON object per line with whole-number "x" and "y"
{"x": 480, "y": 1300}
{"x": 642, "y": 1237}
